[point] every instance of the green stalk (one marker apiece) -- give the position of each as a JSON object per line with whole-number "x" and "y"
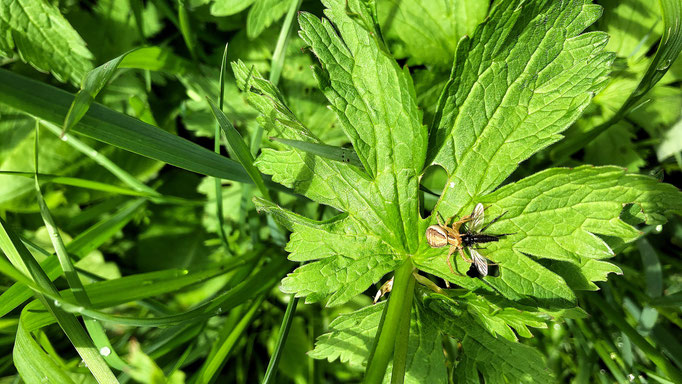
{"x": 282, "y": 41}
{"x": 216, "y": 148}
{"x": 270, "y": 373}
{"x": 386, "y": 339}
{"x": 402, "y": 339}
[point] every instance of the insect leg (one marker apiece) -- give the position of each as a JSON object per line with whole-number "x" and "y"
{"x": 449, "y": 256}
{"x": 492, "y": 221}
{"x": 464, "y": 256}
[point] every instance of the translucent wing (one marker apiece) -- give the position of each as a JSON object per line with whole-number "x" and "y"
{"x": 480, "y": 262}
{"x": 477, "y": 218}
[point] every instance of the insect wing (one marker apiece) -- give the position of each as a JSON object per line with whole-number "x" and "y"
{"x": 479, "y": 261}
{"x": 477, "y": 218}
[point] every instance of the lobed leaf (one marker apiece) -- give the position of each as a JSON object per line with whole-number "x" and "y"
{"x": 525, "y": 75}
{"x": 44, "y": 39}
{"x": 262, "y": 14}
{"x": 427, "y": 32}
{"x": 351, "y": 336}
{"x": 497, "y": 359}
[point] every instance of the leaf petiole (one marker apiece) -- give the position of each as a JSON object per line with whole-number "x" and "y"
{"x": 389, "y": 335}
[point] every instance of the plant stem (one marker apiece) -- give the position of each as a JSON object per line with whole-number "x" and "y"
{"x": 271, "y": 372}
{"x": 396, "y": 314}
{"x": 403, "y": 336}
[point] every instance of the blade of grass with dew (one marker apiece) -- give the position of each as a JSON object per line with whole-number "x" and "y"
{"x": 33, "y": 364}
{"x": 80, "y": 246}
{"x": 261, "y": 281}
{"x": 72, "y": 279}
{"x": 92, "y": 84}
{"x": 649, "y": 350}
{"x": 271, "y": 371}
{"x": 111, "y": 293}
{"x": 217, "y": 357}
{"x": 216, "y": 149}
{"x": 239, "y": 149}
{"x": 103, "y": 124}
{"x": 668, "y": 50}
{"x": 344, "y": 155}
{"x": 22, "y": 259}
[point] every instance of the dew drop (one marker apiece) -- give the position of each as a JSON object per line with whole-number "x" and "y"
{"x": 664, "y": 65}
{"x": 64, "y": 138}
{"x": 659, "y": 228}
{"x": 57, "y": 303}
{"x": 452, "y": 184}
{"x": 105, "y": 351}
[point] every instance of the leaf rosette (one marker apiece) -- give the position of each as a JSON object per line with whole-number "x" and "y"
{"x": 524, "y": 76}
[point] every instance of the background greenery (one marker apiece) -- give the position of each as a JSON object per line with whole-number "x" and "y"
{"x": 182, "y": 275}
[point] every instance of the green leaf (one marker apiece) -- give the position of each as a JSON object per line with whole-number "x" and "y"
{"x": 262, "y": 14}
{"x": 427, "y": 32}
{"x": 351, "y": 260}
{"x": 671, "y": 143}
{"x": 496, "y": 358}
{"x": 559, "y": 214}
{"x": 350, "y": 336}
{"x": 229, "y": 7}
{"x": 524, "y": 77}
{"x": 33, "y": 363}
{"x": 103, "y": 124}
{"x": 92, "y": 84}
{"x": 238, "y": 148}
{"x": 44, "y": 39}
{"x": 668, "y": 50}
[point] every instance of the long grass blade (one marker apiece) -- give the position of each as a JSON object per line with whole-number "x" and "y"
{"x": 15, "y": 250}
{"x": 80, "y": 246}
{"x": 271, "y": 371}
{"x": 239, "y": 149}
{"x": 344, "y": 155}
{"x": 51, "y": 104}
{"x": 93, "y": 83}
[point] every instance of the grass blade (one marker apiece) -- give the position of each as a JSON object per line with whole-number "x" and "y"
{"x": 85, "y": 242}
{"x": 103, "y": 124}
{"x": 23, "y": 260}
{"x": 344, "y": 155}
{"x": 239, "y": 149}
{"x": 222, "y": 348}
{"x": 216, "y": 149}
{"x": 271, "y": 371}
{"x": 70, "y": 272}
{"x": 282, "y": 41}
{"x": 93, "y": 83}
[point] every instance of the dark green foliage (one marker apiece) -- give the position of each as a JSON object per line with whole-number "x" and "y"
{"x": 166, "y": 238}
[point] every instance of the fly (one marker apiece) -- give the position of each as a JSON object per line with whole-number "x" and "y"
{"x": 441, "y": 235}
